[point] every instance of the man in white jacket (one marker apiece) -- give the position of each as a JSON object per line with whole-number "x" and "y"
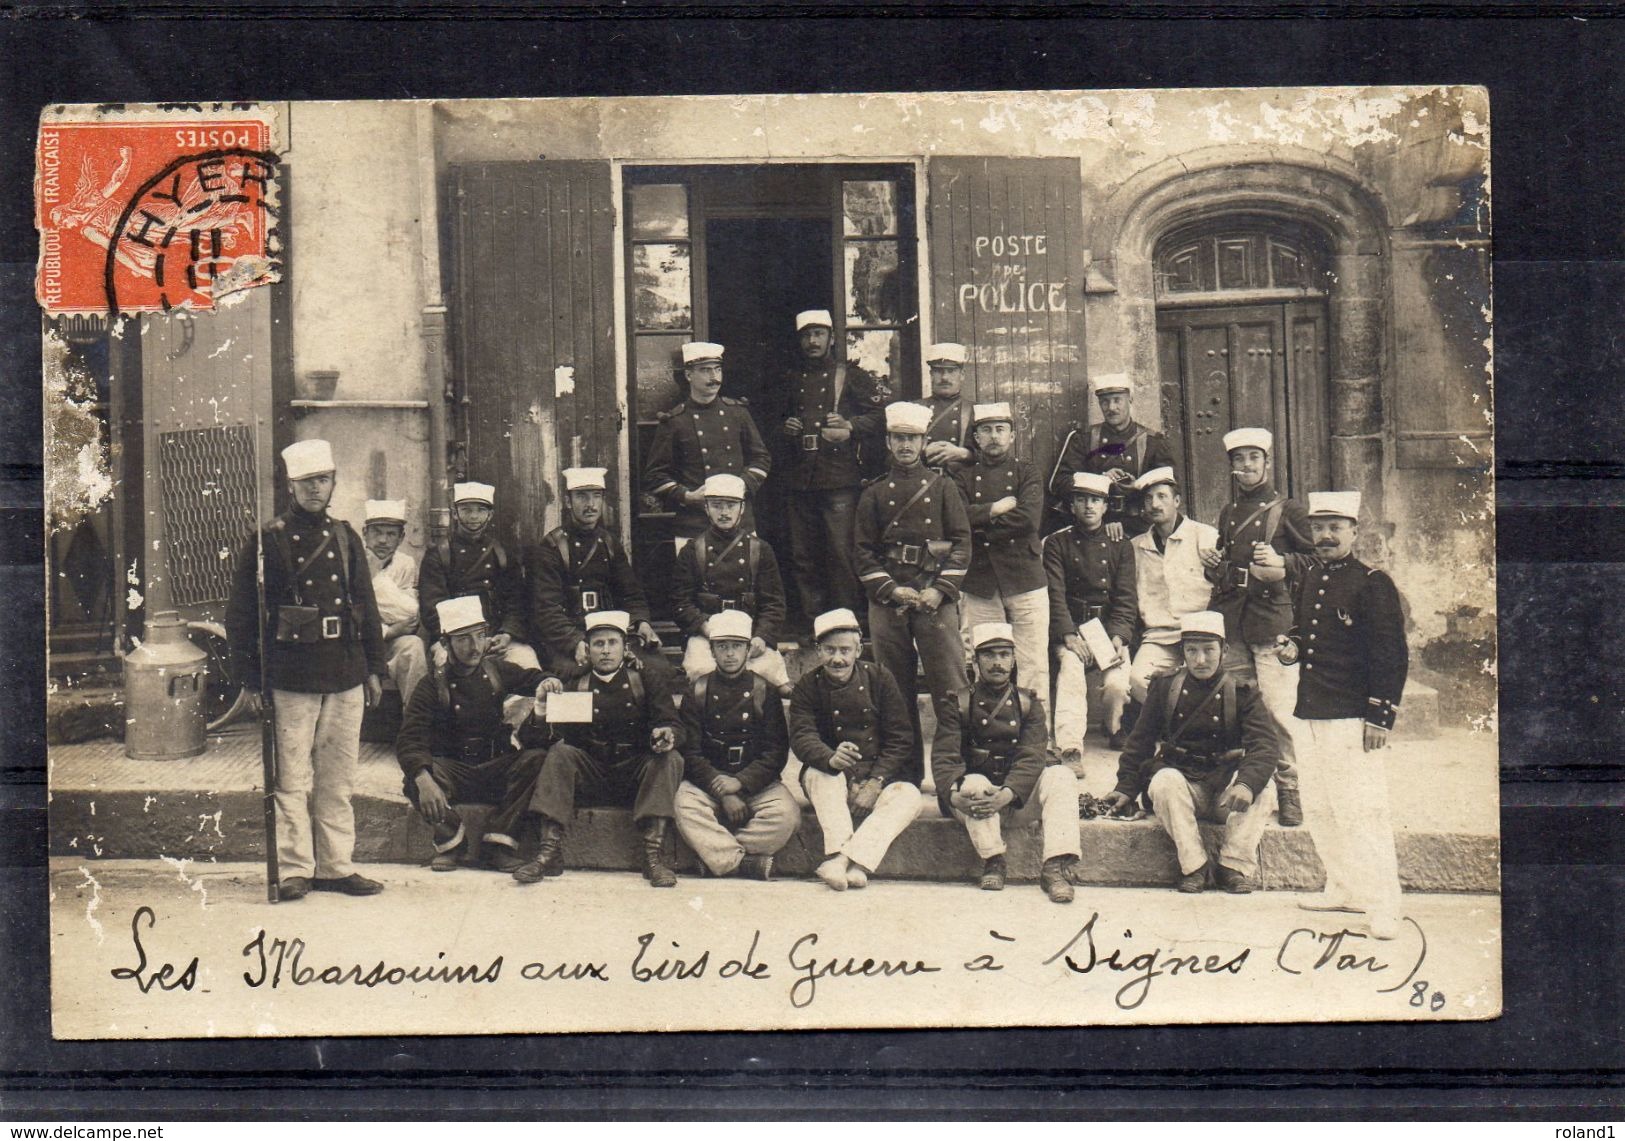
{"x": 1169, "y": 575}
{"x": 395, "y": 583}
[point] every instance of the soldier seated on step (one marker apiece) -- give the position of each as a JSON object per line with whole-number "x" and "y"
{"x": 850, "y": 728}
{"x": 729, "y": 567}
{"x": 622, "y": 753}
{"x": 1203, "y": 747}
{"x": 472, "y": 560}
{"x": 732, "y": 808}
{"x": 989, "y": 757}
{"x": 460, "y": 740}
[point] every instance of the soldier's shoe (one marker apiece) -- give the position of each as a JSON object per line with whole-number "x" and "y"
{"x": 501, "y": 858}
{"x": 531, "y": 871}
{"x": 1054, "y": 879}
{"x": 1073, "y": 756}
{"x": 1193, "y": 882}
{"x": 292, "y": 888}
{"x": 653, "y": 851}
{"x": 446, "y": 861}
{"x": 1233, "y": 881}
{"x": 353, "y": 884}
{"x": 1288, "y": 809}
{"x": 756, "y": 867}
{"x": 550, "y": 853}
{"x": 1118, "y": 738}
{"x": 993, "y": 872}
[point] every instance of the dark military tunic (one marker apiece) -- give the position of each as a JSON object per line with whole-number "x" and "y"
{"x": 894, "y": 528}
{"x": 596, "y": 571}
{"x": 1100, "y": 448}
{"x": 621, "y": 724}
{"x": 478, "y": 564}
{"x": 464, "y": 723}
{"x": 1350, "y": 631}
{"x": 950, "y": 421}
{"x": 1090, "y": 576}
{"x": 725, "y": 583}
{"x": 869, "y": 710}
{"x": 998, "y": 743}
{"x": 1201, "y": 747}
{"x": 1006, "y": 556}
{"x": 725, "y": 734}
{"x": 695, "y": 441}
{"x": 306, "y": 557}
{"x": 1258, "y": 612}
{"x": 862, "y": 400}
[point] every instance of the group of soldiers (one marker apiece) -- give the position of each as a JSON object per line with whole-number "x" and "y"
{"x": 537, "y": 684}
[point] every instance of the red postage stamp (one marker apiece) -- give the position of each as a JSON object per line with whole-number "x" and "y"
{"x": 152, "y": 210}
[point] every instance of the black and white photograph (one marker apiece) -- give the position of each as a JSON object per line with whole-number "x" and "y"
{"x": 770, "y": 562}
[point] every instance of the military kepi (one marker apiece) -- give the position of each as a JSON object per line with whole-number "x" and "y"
{"x": 1335, "y": 504}
{"x": 585, "y": 478}
{"x": 723, "y": 486}
{"x": 814, "y": 318}
{"x": 907, "y": 418}
{"x": 1112, "y": 382}
{"x": 609, "y": 619}
{"x": 474, "y": 493}
{"x": 1248, "y": 438}
{"x": 988, "y": 634}
{"x": 834, "y": 621}
{"x": 726, "y": 624}
{"x": 696, "y": 351}
{"x": 386, "y": 511}
{"x": 1091, "y": 483}
{"x": 459, "y": 614}
{"x": 945, "y": 352}
{"x": 1202, "y": 624}
{"x": 308, "y": 458}
{"x": 1155, "y": 476}
{"x": 992, "y": 414}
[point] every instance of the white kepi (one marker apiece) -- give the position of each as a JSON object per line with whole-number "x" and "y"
{"x": 834, "y": 621}
{"x": 609, "y": 619}
{"x": 386, "y": 511}
{"x": 1091, "y": 483}
{"x": 726, "y": 624}
{"x": 1248, "y": 438}
{"x": 585, "y": 478}
{"x": 985, "y": 634}
{"x": 1336, "y": 504}
{"x": 308, "y": 458}
{"x": 817, "y": 318}
{"x": 696, "y": 351}
{"x": 474, "y": 493}
{"x": 946, "y": 352}
{"x": 459, "y": 614}
{"x": 1202, "y": 624}
{"x": 907, "y": 418}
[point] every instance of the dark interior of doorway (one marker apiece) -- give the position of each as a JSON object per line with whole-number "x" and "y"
{"x": 761, "y": 272}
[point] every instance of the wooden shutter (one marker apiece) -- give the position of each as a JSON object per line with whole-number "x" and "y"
{"x": 1007, "y": 271}
{"x": 534, "y": 297}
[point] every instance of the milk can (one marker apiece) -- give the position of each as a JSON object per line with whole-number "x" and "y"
{"x": 163, "y": 693}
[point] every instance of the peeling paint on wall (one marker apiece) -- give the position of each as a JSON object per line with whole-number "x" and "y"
{"x": 78, "y": 479}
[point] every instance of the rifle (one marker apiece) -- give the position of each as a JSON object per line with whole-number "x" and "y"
{"x": 267, "y": 709}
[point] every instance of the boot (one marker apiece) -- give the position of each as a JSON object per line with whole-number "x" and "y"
{"x": 1289, "y": 809}
{"x": 1056, "y": 880}
{"x": 549, "y": 859}
{"x": 1233, "y": 881}
{"x": 1193, "y": 882}
{"x": 993, "y": 873}
{"x": 655, "y": 868}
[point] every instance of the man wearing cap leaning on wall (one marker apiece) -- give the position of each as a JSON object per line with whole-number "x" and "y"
{"x": 704, "y": 434}
{"x": 948, "y": 437}
{"x": 1117, "y": 447}
{"x": 320, "y": 639}
{"x": 578, "y": 568}
{"x": 836, "y": 416}
{"x": 988, "y": 756}
{"x": 395, "y": 588}
{"x": 456, "y": 745}
{"x": 472, "y": 560}
{"x": 1004, "y": 498}
{"x": 1091, "y": 579}
{"x": 625, "y": 756}
{"x": 732, "y": 809}
{"x": 1170, "y": 577}
{"x": 850, "y": 729}
{"x": 913, "y": 549}
{"x": 1348, "y": 637}
{"x": 1257, "y": 612}
{"x": 727, "y": 567}
{"x": 1203, "y": 747}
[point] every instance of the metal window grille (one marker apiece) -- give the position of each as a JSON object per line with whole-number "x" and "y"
{"x": 206, "y": 476}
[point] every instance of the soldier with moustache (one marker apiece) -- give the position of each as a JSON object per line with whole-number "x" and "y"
{"x": 703, "y": 435}
{"x": 850, "y": 727}
{"x": 320, "y": 639}
{"x": 988, "y": 758}
{"x": 395, "y": 588}
{"x": 1004, "y": 499}
{"x": 913, "y": 550}
{"x": 729, "y": 567}
{"x": 1348, "y": 636}
{"x": 948, "y": 437}
{"x": 732, "y": 808}
{"x": 580, "y": 568}
{"x": 457, "y": 744}
{"x": 1203, "y": 747}
{"x": 1257, "y": 612}
{"x": 1117, "y": 447}
{"x": 625, "y": 756}
{"x": 1091, "y": 578}
{"x": 472, "y": 560}
{"x": 836, "y": 421}
{"x": 1170, "y": 577}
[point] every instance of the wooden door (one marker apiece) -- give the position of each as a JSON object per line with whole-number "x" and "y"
{"x": 535, "y": 332}
{"x": 1254, "y": 366}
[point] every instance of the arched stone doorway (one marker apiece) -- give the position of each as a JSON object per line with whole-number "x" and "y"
{"x": 1310, "y": 194}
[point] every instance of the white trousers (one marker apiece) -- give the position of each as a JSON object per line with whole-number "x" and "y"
{"x": 774, "y": 818}
{"x": 1153, "y": 661}
{"x": 697, "y": 662}
{"x": 1072, "y": 698}
{"x": 408, "y": 664}
{"x": 1028, "y": 615}
{"x": 1278, "y": 686}
{"x": 896, "y": 808}
{"x": 1055, "y": 803}
{"x": 1345, "y": 802}
{"x": 1177, "y": 803}
{"x": 318, "y": 741}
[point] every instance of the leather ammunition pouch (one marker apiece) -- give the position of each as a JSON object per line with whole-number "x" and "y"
{"x": 476, "y": 750}
{"x": 304, "y": 625}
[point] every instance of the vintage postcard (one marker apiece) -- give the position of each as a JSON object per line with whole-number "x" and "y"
{"x": 770, "y": 562}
